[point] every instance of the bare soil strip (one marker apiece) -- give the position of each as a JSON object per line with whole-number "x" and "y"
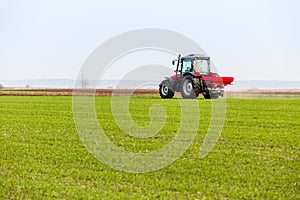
{"x": 70, "y": 92}
{"x": 124, "y": 92}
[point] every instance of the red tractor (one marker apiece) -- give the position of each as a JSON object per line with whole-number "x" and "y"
{"x": 193, "y": 77}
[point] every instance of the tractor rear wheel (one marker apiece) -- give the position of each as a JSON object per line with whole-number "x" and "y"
{"x": 208, "y": 95}
{"x": 165, "y": 90}
{"x": 189, "y": 88}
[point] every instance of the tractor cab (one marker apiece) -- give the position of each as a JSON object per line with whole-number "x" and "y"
{"x": 193, "y": 63}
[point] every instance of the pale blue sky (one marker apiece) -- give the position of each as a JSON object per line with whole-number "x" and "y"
{"x": 250, "y": 39}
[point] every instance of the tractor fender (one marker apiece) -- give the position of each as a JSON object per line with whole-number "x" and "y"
{"x": 194, "y": 74}
{"x": 172, "y": 83}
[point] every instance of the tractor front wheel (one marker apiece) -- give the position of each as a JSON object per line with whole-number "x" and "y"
{"x": 188, "y": 88}
{"x": 165, "y": 90}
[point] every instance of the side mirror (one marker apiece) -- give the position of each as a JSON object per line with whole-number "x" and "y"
{"x": 173, "y": 62}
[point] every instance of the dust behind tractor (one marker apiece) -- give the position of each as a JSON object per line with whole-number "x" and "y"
{"x": 194, "y": 76}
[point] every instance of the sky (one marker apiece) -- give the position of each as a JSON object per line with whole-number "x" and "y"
{"x": 249, "y": 39}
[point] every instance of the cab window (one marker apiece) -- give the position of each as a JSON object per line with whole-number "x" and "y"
{"x": 201, "y": 66}
{"x": 186, "y": 66}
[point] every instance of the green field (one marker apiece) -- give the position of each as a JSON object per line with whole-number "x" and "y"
{"x": 256, "y": 157}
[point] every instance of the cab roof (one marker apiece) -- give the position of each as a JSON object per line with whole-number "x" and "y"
{"x": 196, "y": 56}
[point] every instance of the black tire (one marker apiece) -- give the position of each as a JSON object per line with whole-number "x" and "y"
{"x": 197, "y": 87}
{"x": 165, "y": 90}
{"x": 189, "y": 88}
{"x": 207, "y": 95}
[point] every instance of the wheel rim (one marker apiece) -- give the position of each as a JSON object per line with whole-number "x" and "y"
{"x": 187, "y": 87}
{"x": 165, "y": 90}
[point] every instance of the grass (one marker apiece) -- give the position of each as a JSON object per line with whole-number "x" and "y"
{"x": 256, "y": 157}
